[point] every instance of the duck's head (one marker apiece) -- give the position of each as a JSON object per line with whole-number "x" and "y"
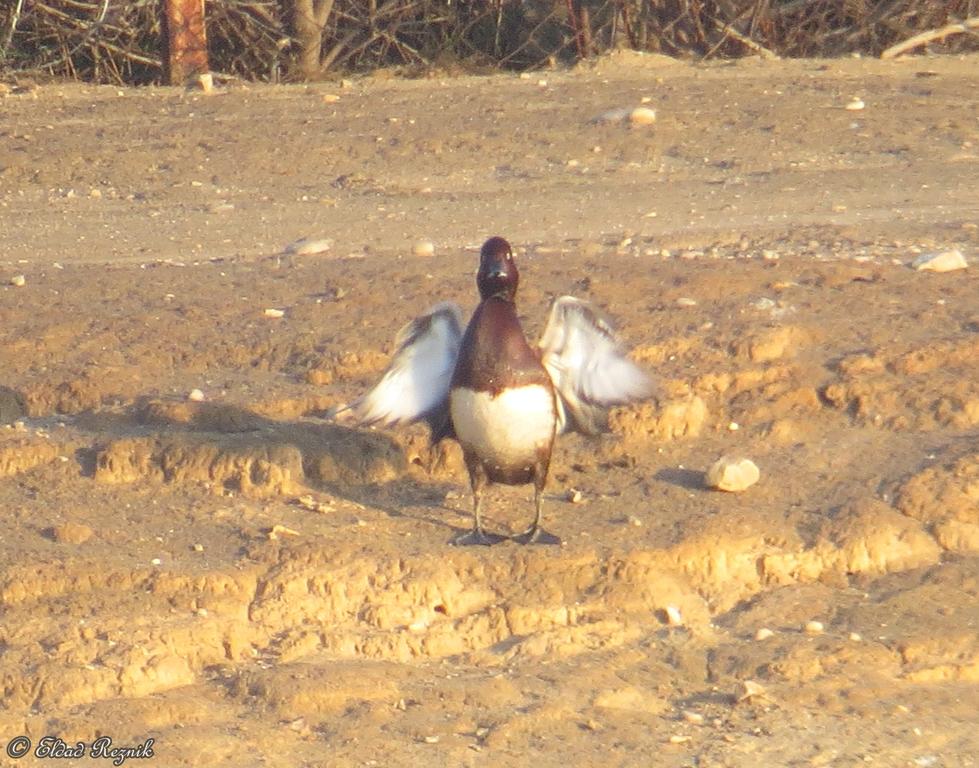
{"x": 498, "y": 275}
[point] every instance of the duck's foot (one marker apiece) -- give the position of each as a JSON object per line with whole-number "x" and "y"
{"x": 537, "y": 535}
{"x": 477, "y": 537}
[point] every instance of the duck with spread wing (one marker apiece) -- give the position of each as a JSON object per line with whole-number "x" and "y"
{"x": 503, "y": 400}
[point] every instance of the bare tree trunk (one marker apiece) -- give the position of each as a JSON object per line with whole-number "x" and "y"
{"x": 186, "y": 38}
{"x": 308, "y": 19}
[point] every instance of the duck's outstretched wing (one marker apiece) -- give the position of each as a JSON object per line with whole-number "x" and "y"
{"x": 588, "y": 366}
{"x": 415, "y": 386}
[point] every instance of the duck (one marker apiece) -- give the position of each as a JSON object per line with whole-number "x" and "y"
{"x": 504, "y": 401}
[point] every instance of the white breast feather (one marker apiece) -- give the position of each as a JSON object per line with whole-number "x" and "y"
{"x": 508, "y": 428}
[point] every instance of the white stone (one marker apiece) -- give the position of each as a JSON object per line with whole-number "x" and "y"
{"x": 763, "y": 634}
{"x": 18, "y": 280}
{"x": 272, "y": 312}
{"x": 814, "y": 628}
{"x": 941, "y": 261}
{"x": 732, "y": 474}
{"x": 855, "y": 105}
{"x": 423, "y": 248}
{"x": 196, "y": 396}
{"x": 305, "y": 246}
{"x": 642, "y": 116}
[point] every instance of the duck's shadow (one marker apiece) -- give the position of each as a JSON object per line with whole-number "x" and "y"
{"x": 238, "y": 450}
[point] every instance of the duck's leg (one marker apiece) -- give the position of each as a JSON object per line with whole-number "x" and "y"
{"x": 535, "y": 534}
{"x": 478, "y": 480}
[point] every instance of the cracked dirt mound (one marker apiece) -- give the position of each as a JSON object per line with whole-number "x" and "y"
{"x": 247, "y": 582}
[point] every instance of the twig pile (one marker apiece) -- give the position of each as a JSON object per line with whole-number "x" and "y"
{"x": 122, "y": 41}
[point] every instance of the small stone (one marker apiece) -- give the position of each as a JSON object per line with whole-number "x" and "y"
{"x": 855, "y": 637}
{"x": 423, "y": 248}
{"x": 733, "y": 426}
{"x": 281, "y": 530}
{"x": 18, "y": 281}
{"x": 813, "y": 627}
{"x": 275, "y": 313}
{"x": 683, "y": 301}
{"x": 763, "y": 634}
{"x": 676, "y": 738}
{"x": 635, "y": 522}
{"x": 330, "y": 98}
{"x": 732, "y": 474}
{"x": 575, "y": 496}
{"x": 202, "y": 612}
{"x": 156, "y": 561}
{"x": 431, "y": 739}
{"x": 749, "y": 689}
{"x": 642, "y": 116}
{"x": 305, "y": 246}
{"x": 95, "y": 194}
{"x": 673, "y": 616}
{"x": 198, "y": 547}
{"x": 196, "y": 396}
{"x": 942, "y": 261}
{"x": 71, "y": 533}
{"x": 205, "y": 82}
{"x": 695, "y": 718}
{"x": 855, "y": 105}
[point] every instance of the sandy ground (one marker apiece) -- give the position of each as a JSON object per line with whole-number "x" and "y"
{"x": 247, "y": 584}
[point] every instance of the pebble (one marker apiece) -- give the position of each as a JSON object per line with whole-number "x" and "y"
{"x": 763, "y": 634}
{"x": 198, "y": 547}
{"x": 431, "y": 739}
{"x": 196, "y": 396}
{"x": 330, "y": 98}
{"x": 18, "y": 280}
{"x": 642, "y": 116}
{"x": 305, "y": 246}
{"x": 270, "y": 312}
{"x": 693, "y": 717}
{"x": 813, "y": 627}
{"x": 732, "y": 474}
{"x": 683, "y": 301}
{"x": 71, "y": 533}
{"x": 749, "y": 689}
{"x": 423, "y": 248}
{"x": 281, "y": 530}
{"x": 855, "y": 637}
{"x": 678, "y": 739}
{"x": 942, "y": 261}
{"x": 575, "y": 496}
{"x": 673, "y": 616}
{"x": 855, "y": 105}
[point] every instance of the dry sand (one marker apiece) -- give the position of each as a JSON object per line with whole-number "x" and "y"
{"x": 247, "y": 584}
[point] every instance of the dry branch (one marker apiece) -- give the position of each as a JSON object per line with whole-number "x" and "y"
{"x": 930, "y": 36}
